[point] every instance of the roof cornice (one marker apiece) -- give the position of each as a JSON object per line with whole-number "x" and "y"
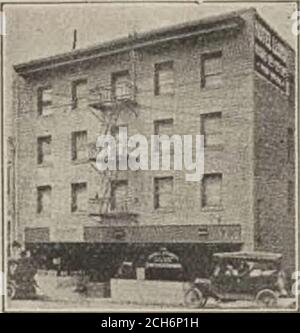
{"x": 206, "y": 26}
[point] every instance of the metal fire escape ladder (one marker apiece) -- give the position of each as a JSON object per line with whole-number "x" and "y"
{"x": 110, "y": 118}
{"x": 107, "y": 175}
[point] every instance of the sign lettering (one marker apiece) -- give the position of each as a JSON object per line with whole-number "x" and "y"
{"x": 271, "y": 56}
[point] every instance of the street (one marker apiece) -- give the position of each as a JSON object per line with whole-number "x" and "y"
{"x": 108, "y": 305}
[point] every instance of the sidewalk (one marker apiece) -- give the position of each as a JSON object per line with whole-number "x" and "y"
{"x": 82, "y": 303}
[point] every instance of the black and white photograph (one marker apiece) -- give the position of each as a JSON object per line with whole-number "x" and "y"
{"x": 149, "y": 155}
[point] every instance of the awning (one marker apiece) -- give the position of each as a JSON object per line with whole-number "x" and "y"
{"x": 195, "y": 233}
{"x": 255, "y": 255}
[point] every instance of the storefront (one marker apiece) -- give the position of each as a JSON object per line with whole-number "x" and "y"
{"x": 100, "y": 251}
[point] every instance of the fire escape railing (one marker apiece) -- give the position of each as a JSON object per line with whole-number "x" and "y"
{"x": 103, "y": 97}
{"x": 117, "y": 97}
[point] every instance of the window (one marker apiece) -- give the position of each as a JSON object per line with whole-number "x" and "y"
{"x": 121, "y": 153}
{"x": 164, "y": 127}
{"x": 119, "y": 195}
{"x": 211, "y": 128}
{"x": 211, "y": 69}
{"x": 163, "y": 192}
{"x": 44, "y": 200}
{"x": 290, "y": 144}
{"x": 164, "y": 78}
{"x": 211, "y": 190}
{"x": 290, "y": 196}
{"x": 79, "y": 145}
{"x": 44, "y": 150}
{"x": 79, "y": 93}
{"x": 79, "y": 197}
{"x": 121, "y": 85}
{"x": 44, "y": 101}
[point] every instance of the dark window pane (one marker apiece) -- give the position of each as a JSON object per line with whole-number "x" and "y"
{"x": 163, "y": 192}
{"x": 211, "y": 128}
{"x": 44, "y": 101}
{"x": 164, "y": 78}
{"x": 119, "y": 195}
{"x": 79, "y": 197}
{"x": 79, "y": 93}
{"x": 44, "y": 150}
{"x": 211, "y": 190}
{"x": 79, "y": 145}
{"x": 211, "y": 68}
{"x": 44, "y": 200}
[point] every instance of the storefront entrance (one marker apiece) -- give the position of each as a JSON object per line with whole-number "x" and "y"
{"x": 101, "y": 262}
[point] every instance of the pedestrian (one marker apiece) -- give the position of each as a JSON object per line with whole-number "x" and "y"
{"x": 16, "y": 250}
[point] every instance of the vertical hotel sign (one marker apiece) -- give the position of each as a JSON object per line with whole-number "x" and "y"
{"x": 271, "y": 56}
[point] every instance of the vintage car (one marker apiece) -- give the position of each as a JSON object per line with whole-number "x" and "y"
{"x": 241, "y": 276}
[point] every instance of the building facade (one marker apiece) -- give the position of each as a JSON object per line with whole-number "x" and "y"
{"x": 229, "y": 78}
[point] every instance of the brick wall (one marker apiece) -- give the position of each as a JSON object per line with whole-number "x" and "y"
{"x": 275, "y": 224}
{"x": 235, "y": 161}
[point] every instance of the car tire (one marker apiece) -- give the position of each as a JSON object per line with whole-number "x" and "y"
{"x": 194, "y": 298}
{"x": 266, "y": 298}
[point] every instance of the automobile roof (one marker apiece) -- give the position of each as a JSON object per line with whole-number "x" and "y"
{"x": 255, "y": 255}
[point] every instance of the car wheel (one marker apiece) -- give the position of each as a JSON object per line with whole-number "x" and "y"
{"x": 267, "y": 298}
{"x": 194, "y": 298}
{"x": 11, "y": 291}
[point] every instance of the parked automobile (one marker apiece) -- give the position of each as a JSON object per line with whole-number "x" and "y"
{"x": 241, "y": 276}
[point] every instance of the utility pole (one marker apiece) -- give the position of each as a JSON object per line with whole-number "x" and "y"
{"x": 74, "y": 39}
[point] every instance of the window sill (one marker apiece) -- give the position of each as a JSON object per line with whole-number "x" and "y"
{"x": 81, "y": 161}
{"x": 43, "y": 215}
{"x": 164, "y": 210}
{"x": 45, "y": 165}
{"x": 214, "y": 148}
{"x": 212, "y": 209}
{"x": 204, "y": 88}
{"x": 165, "y": 95}
{"x": 81, "y": 212}
{"x": 44, "y": 116}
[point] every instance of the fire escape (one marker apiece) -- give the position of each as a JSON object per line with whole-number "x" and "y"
{"x": 108, "y": 103}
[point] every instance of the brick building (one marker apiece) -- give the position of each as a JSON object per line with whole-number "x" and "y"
{"x": 227, "y": 77}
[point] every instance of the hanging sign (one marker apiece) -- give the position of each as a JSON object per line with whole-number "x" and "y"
{"x": 163, "y": 258}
